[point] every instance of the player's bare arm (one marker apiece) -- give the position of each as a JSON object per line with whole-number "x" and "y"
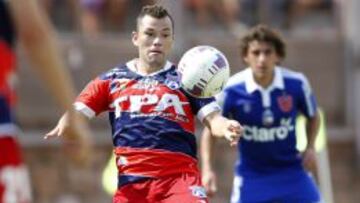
{"x": 73, "y": 127}
{"x": 68, "y": 125}
{"x": 309, "y": 155}
{"x": 206, "y": 150}
{"x": 38, "y": 38}
{"x": 312, "y": 127}
{"x": 223, "y": 127}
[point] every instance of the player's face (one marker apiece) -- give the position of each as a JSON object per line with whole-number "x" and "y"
{"x": 154, "y": 39}
{"x": 262, "y": 58}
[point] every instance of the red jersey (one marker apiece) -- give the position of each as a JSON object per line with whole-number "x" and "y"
{"x": 7, "y": 72}
{"x": 152, "y": 120}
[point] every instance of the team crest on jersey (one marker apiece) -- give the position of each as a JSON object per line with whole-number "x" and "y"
{"x": 172, "y": 81}
{"x": 285, "y": 103}
{"x": 198, "y": 191}
{"x": 268, "y": 117}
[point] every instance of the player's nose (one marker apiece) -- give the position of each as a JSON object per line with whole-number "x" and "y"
{"x": 262, "y": 57}
{"x": 158, "y": 41}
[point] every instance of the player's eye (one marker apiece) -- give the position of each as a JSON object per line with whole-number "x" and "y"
{"x": 150, "y": 34}
{"x": 256, "y": 52}
{"x": 268, "y": 52}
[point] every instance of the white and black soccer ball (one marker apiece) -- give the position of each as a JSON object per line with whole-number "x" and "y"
{"x": 204, "y": 70}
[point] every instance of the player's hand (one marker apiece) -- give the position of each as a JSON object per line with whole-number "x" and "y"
{"x": 77, "y": 138}
{"x": 309, "y": 159}
{"x": 209, "y": 182}
{"x": 232, "y": 131}
{"x": 223, "y": 127}
{"x": 61, "y": 128}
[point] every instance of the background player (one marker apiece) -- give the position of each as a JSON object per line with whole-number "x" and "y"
{"x": 24, "y": 20}
{"x": 152, "y": 118}
{"x": 266, "y": 99}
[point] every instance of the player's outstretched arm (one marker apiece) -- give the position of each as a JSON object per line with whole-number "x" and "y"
{"x": 73, "y": 127}
{"x": 66, "y": 127}
{"x": 206, "y": 151}
{"x": 222, "y": 127}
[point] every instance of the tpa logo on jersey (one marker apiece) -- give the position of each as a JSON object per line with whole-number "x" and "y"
{"x": 198, "y": 191}
{"x": 149, "y": 104}
{"x": 285, "y": 103}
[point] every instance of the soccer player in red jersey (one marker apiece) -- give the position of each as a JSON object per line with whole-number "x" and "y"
{"x": 152, "y": 118}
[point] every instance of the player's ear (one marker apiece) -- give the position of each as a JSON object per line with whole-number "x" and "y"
{"x": 278, "y": 59}
{"x": 134, "y": 38}
{"x": 245, "y": 59}
{"x": 173, "y": 41}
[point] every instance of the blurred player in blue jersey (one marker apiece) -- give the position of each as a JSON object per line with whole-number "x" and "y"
{"x": 152, "y": 119}
{"x": 266, "y": 98}
{"x": 24, "y": 21}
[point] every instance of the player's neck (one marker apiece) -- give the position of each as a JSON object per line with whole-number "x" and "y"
{"x": 264, "y": 80}
{"x": 146, "y": 68}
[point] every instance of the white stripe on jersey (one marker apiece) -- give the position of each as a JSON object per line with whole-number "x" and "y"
{"x": 87, "y": 111}
{"x": 9, "y": 129}
{"x": 208, "y": 109}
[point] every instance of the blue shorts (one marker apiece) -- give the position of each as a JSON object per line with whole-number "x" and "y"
{"x": 290, "y": 187}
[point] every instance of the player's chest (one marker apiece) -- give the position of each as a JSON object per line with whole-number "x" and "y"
{"x": 147, "y": 95}
{"x": 264, "y": 107}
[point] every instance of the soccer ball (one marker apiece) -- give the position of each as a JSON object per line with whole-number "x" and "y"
{"x": 204, "y": 71}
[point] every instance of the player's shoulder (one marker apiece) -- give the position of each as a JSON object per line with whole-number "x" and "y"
{"x": 118, "y": 71}
{"x": 238, "y": 78}
{"x": 292, "y": 75}
{"x": 170, "y": 68}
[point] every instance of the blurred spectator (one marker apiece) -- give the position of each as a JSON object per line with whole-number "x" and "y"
{"x": 303, "y": 7}
{"x": 278, "y": 13}
{"x": 206, "y": 10}
{"x": 93, "y": 10}
{"x": 272, "y": 12}
{"x": 96, "y": 13}
{"x": 63, "y": 13}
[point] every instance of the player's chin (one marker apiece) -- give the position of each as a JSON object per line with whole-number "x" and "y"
{"x": 157, "y": 61}
{"x": 261, "y": 73}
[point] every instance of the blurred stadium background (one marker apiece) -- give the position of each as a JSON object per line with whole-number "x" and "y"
{"x": 323, "y": 42}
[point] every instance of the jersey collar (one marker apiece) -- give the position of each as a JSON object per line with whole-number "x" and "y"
{"x": 131, "y": 66}
{"x": 251, "y": 85}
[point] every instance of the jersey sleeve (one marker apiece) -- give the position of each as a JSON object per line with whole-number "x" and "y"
{"x": 202, "y": 107}
{"x": 94, "y": 98}
{"x": 307, "y": 104}
{"x": 225, "y": 103}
